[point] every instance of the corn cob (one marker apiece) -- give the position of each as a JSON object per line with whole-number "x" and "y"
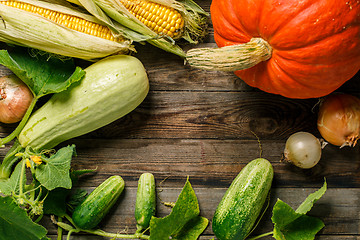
{"x": 66, "y": 20}
{"x": 161, "y": 19}
{"x": 160, "y": 22}
{"x": 58, "y": 29}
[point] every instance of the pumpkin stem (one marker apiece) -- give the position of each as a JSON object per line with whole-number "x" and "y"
{"x": 230, "y": 58}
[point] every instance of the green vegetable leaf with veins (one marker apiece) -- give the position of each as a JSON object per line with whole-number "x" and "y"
{"x": 43, "y": 74}
{"x": 296, "y": 225}
{"x": 54, "y": 172}
{"x": 15, "y": 223}
{"x": 192, "y": 229}
{"x": 183, "y": 222}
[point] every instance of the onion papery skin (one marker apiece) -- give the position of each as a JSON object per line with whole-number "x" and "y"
{"x": 15, "y": 99}
{"x": 339, "y": 119}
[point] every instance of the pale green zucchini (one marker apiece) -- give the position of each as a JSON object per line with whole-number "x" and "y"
{"x": 111, "y": 88}
{"x": 242, "y": 203}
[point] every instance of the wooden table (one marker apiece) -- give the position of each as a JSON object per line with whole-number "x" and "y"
{"x": 204, "y": 125}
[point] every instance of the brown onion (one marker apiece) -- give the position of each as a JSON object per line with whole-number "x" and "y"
{"x": 15, "y": 99}
{"x": 339, "y": 119}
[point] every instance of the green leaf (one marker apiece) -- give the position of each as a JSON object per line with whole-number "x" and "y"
{"x": 76, "y": 174}
{"x": 283, "y": 214}
{"x": 55, "y": 202}
{"x": 192, "y": 229}
{"x": 303, "y": 228}
{"x": 311, "y": 199}
{"x": 15, "y": 223}
{"x": 12, "y": 184}
{"x": 76, "y": 198}
{"x": 54, "y": 172}
{"x": 296, "y": 225}
{"x": 186, "y": 208}
{"x": 43, "y": 73}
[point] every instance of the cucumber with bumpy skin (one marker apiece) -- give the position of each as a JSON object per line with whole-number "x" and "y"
{"x": 111, "y": 88}
{"x": 98, "y": 203}
{"x": 145, "y": 205}
{"x": 242, "y": 203}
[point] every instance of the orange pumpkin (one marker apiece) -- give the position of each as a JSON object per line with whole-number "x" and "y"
{"x": 314, "y": 44}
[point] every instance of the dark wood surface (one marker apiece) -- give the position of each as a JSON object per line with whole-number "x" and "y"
{"x": 207, "y": 126}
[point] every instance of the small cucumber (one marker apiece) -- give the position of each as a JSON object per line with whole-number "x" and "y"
{"x": 98, "y": 203}
{"x": 145, "y": 206}
{"x": 242, "y": 203}
{"x": 111, "y": 88}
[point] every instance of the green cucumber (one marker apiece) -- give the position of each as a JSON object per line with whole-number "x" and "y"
{"x": 98, "y": 203}
{"x": 145, "y": 205}
{"x": 111, "y": 88}
{"x": 242, "y": 203}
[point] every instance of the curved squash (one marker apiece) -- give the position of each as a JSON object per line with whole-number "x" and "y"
{"x": 311, "y": 47}
{"x": 111, "y": 88}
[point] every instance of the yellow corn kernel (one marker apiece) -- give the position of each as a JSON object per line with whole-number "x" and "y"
{"x": 66, "y": 20}
{"x": 161, "y": 19}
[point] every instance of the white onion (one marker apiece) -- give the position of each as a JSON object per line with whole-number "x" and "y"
{"x": 303, "y": 150}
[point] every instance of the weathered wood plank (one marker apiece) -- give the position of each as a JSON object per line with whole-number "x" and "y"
{"x": 218, "y": 115}
{"x": 209, "y": 162}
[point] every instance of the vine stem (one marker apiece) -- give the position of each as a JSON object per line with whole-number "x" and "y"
{"x": 102, "y": 233}
{"x": 260, "y": 236}
{"x": 117, "y": 235}
{"x": 230, "y": 58}
{"x": 21, "y": 187}
{"x": 21, "y": 125}
{"x": 59, "y": 230}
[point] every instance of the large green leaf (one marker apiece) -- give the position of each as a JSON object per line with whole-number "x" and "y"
{"x": 290, "y": 225}
{"x": 43, "y": 73}
{"x": 296, "y": 225}
{"x": 175, "y": 224}
{"x": 54, "y": 172}
{"x": 311, "y": 199}
{"x": 15, "y": 223}
{"x": 192, "y": 229}
{"x": 55, "y": 202}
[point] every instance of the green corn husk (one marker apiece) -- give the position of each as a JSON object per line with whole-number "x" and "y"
{"x": 28, "y": 29}
{"x": 109, "y": 11}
